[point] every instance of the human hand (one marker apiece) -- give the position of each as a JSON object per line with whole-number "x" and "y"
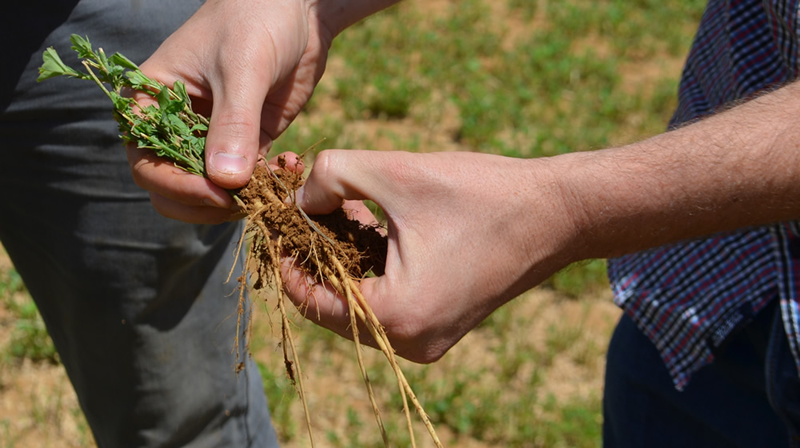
{"x": 467, "y": 232}
{"x": 252, "y": 66}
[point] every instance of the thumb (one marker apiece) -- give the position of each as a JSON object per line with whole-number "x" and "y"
{"x": 234, "y": 136}
{"x": 337, "y": 175}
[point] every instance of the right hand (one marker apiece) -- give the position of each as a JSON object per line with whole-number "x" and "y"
{"x": 252, "y": 66}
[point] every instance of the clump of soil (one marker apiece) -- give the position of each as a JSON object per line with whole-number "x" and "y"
{"x": 310, "y": 240}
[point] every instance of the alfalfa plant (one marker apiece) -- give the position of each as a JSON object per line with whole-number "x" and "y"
{"x": 332, "y": 249}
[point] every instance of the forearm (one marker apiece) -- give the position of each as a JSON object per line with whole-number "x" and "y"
{"x": 736, "y": 169}
{"x": 337, "y": 15}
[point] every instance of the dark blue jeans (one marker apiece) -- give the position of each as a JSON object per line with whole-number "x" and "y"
{"x": 748, "y": 397}
{"x": 136, "y": 304}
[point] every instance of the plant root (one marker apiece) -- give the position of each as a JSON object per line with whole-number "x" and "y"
{"x": 331, "y": 249}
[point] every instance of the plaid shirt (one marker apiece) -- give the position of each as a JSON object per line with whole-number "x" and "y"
{"x": 687, "y": 298}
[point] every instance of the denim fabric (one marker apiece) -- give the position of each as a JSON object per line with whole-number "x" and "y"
{"x": 136, "y": 304}
{"x": 747, "y": 397}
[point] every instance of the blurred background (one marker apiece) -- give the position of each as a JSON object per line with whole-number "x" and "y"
{"x": 521, "y": 78}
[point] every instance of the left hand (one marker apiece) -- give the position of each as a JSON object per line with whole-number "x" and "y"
{"x": 467, "y": 232}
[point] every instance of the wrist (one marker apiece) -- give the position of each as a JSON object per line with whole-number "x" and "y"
{"x": 336, "y": 15}
{"x": 542, "y": 218}
{"x": 572, "y": 200}
{"x": 618, "y": 200}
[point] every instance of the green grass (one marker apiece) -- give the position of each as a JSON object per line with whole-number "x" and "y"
{"x": 29, "y": 337}
{"x": 575, "y": 423}
{"x": 280, "y": 395}
{"x": 29, "y": 344}
{"x": 581, "y": 278}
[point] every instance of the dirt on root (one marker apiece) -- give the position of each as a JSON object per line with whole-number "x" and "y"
{"x": 310, "y": 240}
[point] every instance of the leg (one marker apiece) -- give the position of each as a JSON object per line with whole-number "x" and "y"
{"x": 783, "y": 381}
{"x": 136, "y": 304}
{"x": 724, "y": 405}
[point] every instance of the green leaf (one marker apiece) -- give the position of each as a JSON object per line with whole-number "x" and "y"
{"x": 82, "y": 46}
{"x": 121, "y": 103}
{"x": 163, "y": 99}
{"x": 197, "y": 145}
{"x": 199, "y": 127}
{"x": 115, "y": 73}
{"x": 167, "y": 105}
{"x": 141, "y": 82}
{"x": 179, "y": 125}
{"x": 150, "y": 111}
{"x": 169, "y": 128}
{"x": 119, "y": 59}
{"x": 180, "y": 89}
{"x": 53, "y": 66}
{"x": 174, "y": 106}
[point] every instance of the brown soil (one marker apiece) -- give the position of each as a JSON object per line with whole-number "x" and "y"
{"x": 310, "y": 240}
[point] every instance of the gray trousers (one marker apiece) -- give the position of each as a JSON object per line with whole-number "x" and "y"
{"x": 136, "y": 304}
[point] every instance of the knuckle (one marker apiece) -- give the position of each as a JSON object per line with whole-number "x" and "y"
{"x": 323, "y": 183}
{"x": 234, "y": 125}
{"x": 324, "y": 164}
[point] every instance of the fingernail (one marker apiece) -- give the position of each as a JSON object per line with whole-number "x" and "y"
{"x": 214, "y": 203}
{"x": 228, "y": 163}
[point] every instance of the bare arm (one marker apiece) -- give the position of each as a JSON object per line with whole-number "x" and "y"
{"x": 736, "y": 169}
{"x": 340, "y": 14}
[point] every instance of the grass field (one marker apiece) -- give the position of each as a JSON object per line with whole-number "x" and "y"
{"x": 512, "y": 77}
